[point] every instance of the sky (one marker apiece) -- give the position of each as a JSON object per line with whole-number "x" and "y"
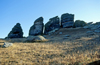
{"x": 26, "y": 12}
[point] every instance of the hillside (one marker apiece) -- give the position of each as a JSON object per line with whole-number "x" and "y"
{"x": 67, "y": 46}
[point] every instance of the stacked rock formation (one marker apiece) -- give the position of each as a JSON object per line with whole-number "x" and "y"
{"x": 52, "y": 24}
{"x": 16, "y": 32}
{"x": 37, "y": 28}
{"x": 67, "y": 20}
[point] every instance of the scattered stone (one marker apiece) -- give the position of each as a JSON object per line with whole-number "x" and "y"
{"x": 52, "y": 25}
{"x": 67, "y": 35}
{"x": 79, "y": 23}
{"x": 53, "y": 31}
{"x": 77, "y": 37}
{"x": 60, "y": 33}
{"x": 7, "y": 44}
{"x": 16, "y": 32}
{"x": 65, "y": 38}
{"x": 67, "y": 20}
{"x": 52, "y": 37}
{"x": 86, "y": 27}
{"x": 35, "y": 38}
{"x": 49, "y": 34}
{"x": 97, "y": 30}
{"x": 90, "y": 32}
{"x": 37, "y": 28}
{"x": 44, "y": 36}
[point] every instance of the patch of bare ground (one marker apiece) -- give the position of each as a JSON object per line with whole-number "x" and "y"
{"x": 57, "y": 51}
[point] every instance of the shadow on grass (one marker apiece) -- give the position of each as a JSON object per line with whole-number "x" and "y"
{"x": 1, "y": 42}
{"x": 94, "y": 63}
{"x": 1, "y": 46}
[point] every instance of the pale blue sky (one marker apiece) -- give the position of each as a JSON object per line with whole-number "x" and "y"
{"x": 27, "y": 11}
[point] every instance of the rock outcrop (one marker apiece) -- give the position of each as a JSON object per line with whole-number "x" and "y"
{"x": 79, "y": 23}
{"x": 93, "y": 26}
{"x": 67, "y": 20}
{"x": 37, "y": 28}
{"x": 16, "y": 32}
{"x": 53, "y": 23}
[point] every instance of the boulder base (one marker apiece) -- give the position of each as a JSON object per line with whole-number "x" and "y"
{"x": 35, "y": 38}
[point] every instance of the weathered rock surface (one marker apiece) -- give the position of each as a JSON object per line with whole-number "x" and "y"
{"x": 6, "y": 44}
{"x": 35, "y": 38}
{"x": 67, "y": 35}
{"x": 67, "y": 20}
{"x": 16, "y": 32}
{"x": 50, "y": 32}
{"x": 79, "y": 23}
{"x": 97, "y": 30}
{"x": 37, "y": 28}
{"x": 93, "y": 26}
{"x": 89, "y": 23}
{"x": 53, "y": 23}
{"x": 60, "y": 33}
{"x": 90, "y": 32}
{"x": 65, "y": 38}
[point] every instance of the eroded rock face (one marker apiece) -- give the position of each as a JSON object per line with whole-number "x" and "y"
{"x": 37, "y": 28}
{"x": 53, "y": 23}
{"x": 16, "y": 32}
{"x": 67, "y": 20}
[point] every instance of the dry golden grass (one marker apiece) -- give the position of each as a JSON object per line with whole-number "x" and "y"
{"x": 55, "y": 52}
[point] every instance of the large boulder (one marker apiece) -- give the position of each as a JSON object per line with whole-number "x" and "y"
{"x": 6, "y": 44}
{"x": 16, "y": 32}
{"x": 67, "y": 20}
{"x": 53, "y": 23}
{"x": 79, "y": 23}
{"x": 37, "y": 28}
{"x": 35, "y": 38}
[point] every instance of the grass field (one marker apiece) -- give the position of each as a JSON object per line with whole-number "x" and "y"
{"x": 56, "y": 51}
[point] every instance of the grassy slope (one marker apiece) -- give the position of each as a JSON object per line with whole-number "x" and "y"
{"x": 58, "y": 51}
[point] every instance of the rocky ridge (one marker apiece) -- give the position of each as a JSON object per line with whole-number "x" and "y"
{"x": 53, "y": 25}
